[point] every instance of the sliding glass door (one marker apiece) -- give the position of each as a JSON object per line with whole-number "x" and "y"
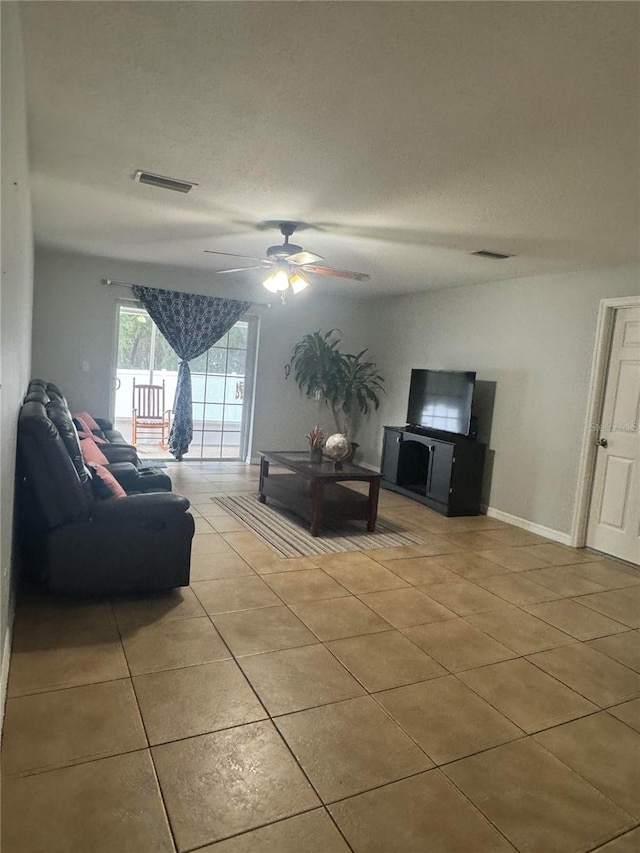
{"x": 222, "y": 384}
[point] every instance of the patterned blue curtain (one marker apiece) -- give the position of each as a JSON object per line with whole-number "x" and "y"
{"x": 191, "y": 324}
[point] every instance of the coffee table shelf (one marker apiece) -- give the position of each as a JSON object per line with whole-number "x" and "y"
{"x": 313, "y": 490}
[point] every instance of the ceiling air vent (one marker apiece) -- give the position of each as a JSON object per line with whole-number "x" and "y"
{"x": 496, "y": 256}
{"x": 163, "y": 182}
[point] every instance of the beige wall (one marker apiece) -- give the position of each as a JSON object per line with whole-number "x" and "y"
{"x": 534, "y": 338}
{"x": 16, "y": 290}
{"x": 75, "y": 321}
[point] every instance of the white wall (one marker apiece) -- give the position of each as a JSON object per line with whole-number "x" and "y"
{"x": 534, "y": 338}
{"x": 16, "y": 290}
{"x": 75, "y": 321}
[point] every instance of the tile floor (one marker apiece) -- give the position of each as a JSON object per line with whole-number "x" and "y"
{"x": 478, "y": 693}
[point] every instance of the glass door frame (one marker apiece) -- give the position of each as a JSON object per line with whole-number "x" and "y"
{"x": 251, "y": 368}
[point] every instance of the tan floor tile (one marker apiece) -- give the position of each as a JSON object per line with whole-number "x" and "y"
{"x": 175, "y": 643}
{"x": 339, "y": 617}
{"x": 560, "y": 555}
{"x": 514, "y": 558}
{"x": 347, "y": 560}
{"x": 180, "y": 703}
{"x": 404, "y": 607}
{"x": 202, "y": 525}
{"x": 227, "y": 594}
{"x": 595, "y": 676}
{"x": 208, "y": 567}
{"x": 210, "y": 543}
{"x": 382, "y": 661}
{"x": 603, "y": 751}
{"x": 267, "y": 629}
{"x": 426, "y": 712}
{"x": 538, "y": 803}
{"x": 135, "y": 611}
{"x": 627, "y": 843}
{"x": 339, "y": 748}
{"x": 307, "y": 585}
{"x": 43, "y": 622}
{"x": 457, "y": 645}
{"x": 225, "y": 524}
{"x": 393, "y": 819}
{"x": 432, "y": 544}
{"x": 65, "y": 662}
{"x": 220, "y": 784}
{"x": 563, "y": 580}
{"x": 514, "y": 537}
{"x": 575, "y": 619}
{"x": 208, "y": 508}
{"x": 516, "y": 589}
{"x": 464, "y": 597}
{"x": 100, "y": 806}
{"x": 525, "y": 695}
{"x": 625, "y": 648}
{"x": 628, "y": 712}
{"x": 370, "y": 578}
{"x": 473, "y": 540}
{"x": 468, "y": 564}
{"x": 246, "y": 543}
{"x": 520, "y": 631}
{"x": 295, "y": 679}
{"x": 607, "y": 574}
{"x": 270, "y": 564}
{"x": 312, "y": 832}
{"x": 64, "y": 727}
{"x": 623, "y": 605}
{"x": 420, "y": 570}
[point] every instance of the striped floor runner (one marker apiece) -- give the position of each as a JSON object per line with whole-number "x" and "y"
{"x": 289, "y": 535}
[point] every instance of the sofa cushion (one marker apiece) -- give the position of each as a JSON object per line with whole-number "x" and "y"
{"x": 61, "y": 417}
{"x": 88, "y": 420}
{"x": 104, "y": 484}
{"x": 91, "y": 452}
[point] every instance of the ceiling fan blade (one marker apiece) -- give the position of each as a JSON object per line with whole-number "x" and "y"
{"x": 356, "y": 276}
{"x": 233, "y": 255}
{"x": 304, "y": 258}
{"x": 243, "y": 269}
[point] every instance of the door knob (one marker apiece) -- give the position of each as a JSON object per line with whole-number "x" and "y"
{"x": 602, "y": 442}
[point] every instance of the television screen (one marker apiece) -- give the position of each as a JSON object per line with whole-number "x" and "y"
{"x": 441, "y": 399}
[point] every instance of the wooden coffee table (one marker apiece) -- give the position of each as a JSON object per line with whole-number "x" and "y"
{"x": 312, "y": 490}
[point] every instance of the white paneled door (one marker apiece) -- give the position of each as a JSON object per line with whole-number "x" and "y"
{"x": 614, "y": 515}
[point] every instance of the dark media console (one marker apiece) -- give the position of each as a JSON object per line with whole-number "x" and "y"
{"x": 442, "y": 470}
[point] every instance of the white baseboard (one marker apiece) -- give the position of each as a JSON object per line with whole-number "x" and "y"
{"x": 532, "y": 527}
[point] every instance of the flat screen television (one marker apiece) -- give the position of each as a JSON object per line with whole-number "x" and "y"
{"x": 441, "y": 400}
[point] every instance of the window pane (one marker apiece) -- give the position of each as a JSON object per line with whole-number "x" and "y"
{"x": 231, "y": 445}
{"x": 236, "y": 361}
{"x": 198, "y": 383}
{"x": 199, "y": 364}
{"x": 197, "y": 413}
{"x": 238, "y": 335}
{"x": 217, "y": 360}
{"x": 212, "y": 442}
{"x": 213, "y": 415}
{"x": 134, "y": 341}
{"x": 223, "y": 342}
{"x": 215, "y": 389}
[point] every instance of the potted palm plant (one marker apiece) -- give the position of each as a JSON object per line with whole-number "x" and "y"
{"x": 347, "y": 383}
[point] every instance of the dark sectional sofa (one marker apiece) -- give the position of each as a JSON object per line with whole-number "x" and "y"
{"x": 76, "y": 543}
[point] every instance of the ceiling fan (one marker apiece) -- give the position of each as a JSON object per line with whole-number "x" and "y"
{"x": 289, "y": 264}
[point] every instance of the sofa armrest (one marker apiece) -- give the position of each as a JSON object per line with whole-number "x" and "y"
{"x": 153, "y": 506}
{"x": 120, "y": 453}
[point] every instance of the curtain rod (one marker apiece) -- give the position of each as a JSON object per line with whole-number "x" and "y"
{"x": 114, "y": 281}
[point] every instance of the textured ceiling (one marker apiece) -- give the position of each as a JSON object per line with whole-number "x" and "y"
{"x": 406, "y": 135}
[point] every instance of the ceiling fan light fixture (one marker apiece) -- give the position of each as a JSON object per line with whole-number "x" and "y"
{"x": 277, "y": 282}
{"x": 297, "y": 281}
